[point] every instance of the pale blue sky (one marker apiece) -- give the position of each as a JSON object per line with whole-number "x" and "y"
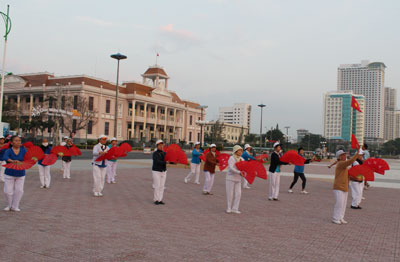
{"x": 284, "y": 53}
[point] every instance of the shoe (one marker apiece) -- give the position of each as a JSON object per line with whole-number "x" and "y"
{"x": 100, "y": 194}
{"x": 303, "y": 192}
{"x": 270, "y": 198}
{"x": 156, "y": 203}
{"x": 7, "y": 209}
{"x": 198, "y": 183}
{"x": 228, "y": 211}
{"x": 108, "y": 182}
{"x": 357, "y": 207}
{"x": 114, "y": 182}
{"x": 161, "y": 203}
{"x": 42, "y": 186}
{"x": 275, "y": 199}
{"x": 290, "y": 191}
{"x": 246, "y": 187}
{"x": 363, "y": 198}
{"x": 205, "y": 193}
{"x": 343, "y": 221}
{"x": 96, "y": 194}
{"x": 336, "y": 222}
{"x": 185, "y": 180}
{"x": 47, "y": 187}
{"x": 209, "y": 193}
{"x": 236, "y": 211}
{"x": 15, "y": 209}
{"x": 68, "y": 178}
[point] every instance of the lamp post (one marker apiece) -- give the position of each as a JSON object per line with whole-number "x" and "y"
{"x": 201, "y": 124}
{"x": 7, "y": 22}
{"x": 261, "y": 107}
{"x": 117, "y": 56}
{"x": 287, "y": 137}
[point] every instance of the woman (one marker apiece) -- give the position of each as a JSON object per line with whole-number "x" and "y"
{"x": 233, "y": 181}
{"x": 99, "y": 167}
{"x": 247, "y": 157}
{"x": 159, "y": 172}
{"x": 14, "y": 179}
{"x": 274, "y": 172}
{"x": 2, "y": 162}
{"x": 341, "y": 186}
{"x": 112, "y": 164}
{"x": 195, "y": 164}
{"x": 66, "y": 160}
{"x": 44, "y": 171}
{"x": 209, "y": 170}
{"x": 357, "y": 184}
{"x": 299, "y": 172}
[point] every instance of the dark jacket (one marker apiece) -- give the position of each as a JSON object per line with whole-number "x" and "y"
{"x": 67, "y": 158}
{"x": 159, "y": 163}
{"x": 211, "y": 162}
{"x": 46, "y": 150}
{"x": 275, "y": 162}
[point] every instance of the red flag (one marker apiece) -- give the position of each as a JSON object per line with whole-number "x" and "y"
{"x": 354, "y": 142}
{"x": 355, "y": 105}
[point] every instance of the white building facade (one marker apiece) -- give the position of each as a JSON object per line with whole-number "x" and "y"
{"x": 239, "y": 114}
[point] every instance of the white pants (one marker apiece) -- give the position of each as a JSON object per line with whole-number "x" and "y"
{"x": 14, "y": 189}
{"x": 208, "y": 182}
{"x": 340, "y": 205}
{"x": 66, "y": 169}
{"x": 233, "y": 194}
{"x": 274, "y": 180}
{"x": 159, "y": 179}
{"x": 111, "y": 171}
{"x": 194, "y": 170}
{"x": 356, "y": 192}
{"x": 245, "y": 183}
{"x": 44, "y": 175}
{"x": 2, "y": 170}
{"x": 99, "y": 175}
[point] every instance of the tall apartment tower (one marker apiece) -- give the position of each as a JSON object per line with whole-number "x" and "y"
{"x": 366, "y": 79}
{"x": 391, "y": 119}
{"x": 238, "y": 114}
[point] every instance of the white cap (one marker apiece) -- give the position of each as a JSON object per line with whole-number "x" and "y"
{"x": 276, "y": 144}
{"x": 113, "y": 139}
{"x": 159, "y": 142}
{"x": 236, "y": 148}
{"x": 197, "y": 143}
{"x": 247, "y": 146}
{"x": 339, "y": 153}
{"x": 361, "y": 152}
{"x": 212, "y": 145}
{"x": 102, "y": 136}
{"x": 66, "y": 137}
{"x": 2, "y": 137}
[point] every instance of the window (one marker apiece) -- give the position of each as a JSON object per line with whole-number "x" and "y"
{"x": 108, "y": 105}
{"x": 51, "y": 102}
{"x": 106, "y": 127}
{"x": 191, "y": 121}
{"x": 40, "y": 99}
{"x": 120, "y": 110}
{"x": 91, "y": 102}
{"x": 63, "y": 102}
{"x": 90, "y": 127}
{"x": 28, "y": 99}
{"x": 74, "y": 125}
{"x": 75, "y": 102}
{"x": 190, "y": 136}
{"x": 198, "y": 136}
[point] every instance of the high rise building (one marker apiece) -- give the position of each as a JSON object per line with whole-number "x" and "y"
{"x": 238, "y": 114}
{"x": 340, "y": 119}
{"x": 391, "y": 123}
{"x": 366, "y": 79}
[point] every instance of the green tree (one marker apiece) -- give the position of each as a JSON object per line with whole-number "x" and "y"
{"x": 215, "y": 134}
{"x": 251, "y": 138}
{"x": 310, "y": 142}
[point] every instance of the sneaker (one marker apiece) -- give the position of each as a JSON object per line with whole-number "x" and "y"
{"x": 7, "y": 209}
{"x": 205, "y": 193}
{"x": 336, "y": 222}
{"x": 357, "y": 207}
{"x": 108, "y": 182}
{"x": 363, "y": 198}
{"x": 100, "y": 194}
{"x": 16, "y": 209}
{"x": 246, "y": 187}
{"x": 270, "y": 198}
{"x": 343, "y": 221}
{"x": 303, "y": 192}
{"x": 275, "y": 199}
{"x": 96, "y": 194}
{"x": 156, "y": 203}
{"x": 236, "y": 211}
{"x": 161, "y": 203}
{"x": 198, "y": 183}
{"x": 290, "y": 191}
{"x": 228, "y": 211}
{"x": 185, "y": 180}
{"x": 47, "y": 187}
{"x": 114, "y": 182}
{"x": 42, "y": 186}
{"x": 209, "y": 193}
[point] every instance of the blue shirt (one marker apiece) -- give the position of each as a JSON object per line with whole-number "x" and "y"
{"x": 9, "y": 154}
{"x": 46, "y": 152}
{"x": 113, "y": 160}
{"x": 196, "y": 156}
{"x": 246, "y": 156}
{"x": 2, "y": 154}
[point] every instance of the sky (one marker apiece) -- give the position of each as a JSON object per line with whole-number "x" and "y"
{"x": 283, "y": 53}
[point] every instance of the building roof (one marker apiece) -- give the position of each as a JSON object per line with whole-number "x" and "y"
{"x": 154, "y": 71}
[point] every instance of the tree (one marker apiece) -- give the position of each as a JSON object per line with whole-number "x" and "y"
{"x": 275, "y": 135}
{"x": 391, "y": 147}
{"x": 311, "y": 141}
{"x": 215, "y": 134}
{"x": 251, "y": 138}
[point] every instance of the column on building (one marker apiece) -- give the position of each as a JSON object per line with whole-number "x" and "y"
{"x": 30, "y": 106}
{"x": 165, "y": 123}
{"x": 155, "y": 121}
{"x": 175, "y": 136}
{"x": 133, "y": 119}
{"x": 145, "y": 135}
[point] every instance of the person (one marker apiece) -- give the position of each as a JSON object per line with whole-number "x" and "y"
{"x": 247, "y": 157}
{"x": 159, "y": 172}
{"x": 99, "y": 167}
{"x": 44, "y": 170}
{"x": 209, "y": 169}
{"x": 233, "y": 181}
{"x": 341, "y": 186}
{"x": 365, "y": 157}
{"x": 357, "y": 184}
{"x": 14, "y": 179}
{"x": 195, "y": 164}
{"x": 64, "y": 142}
{"x": 299, "y": 172}
{"x": 2, "y": 162}
{"x": 274, "y": 172}
{"x": 112, "y": 164}
{"x": 66, "y": 161}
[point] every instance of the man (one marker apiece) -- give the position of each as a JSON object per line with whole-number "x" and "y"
{"x": 159, "y": 172}
{"x": 44, "y": 171}
{"x": 112, "y": 164}
{"x": 357, "y": 184}
{"x": 99, "y": 167}
{"x": 195, "y": 164}
{"x": 247, "y": 157}
{"x": 341, "y": 186}
{"x": 274, "y": 172}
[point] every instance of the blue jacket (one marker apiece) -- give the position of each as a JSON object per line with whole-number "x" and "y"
{"x": 300, "y": 169}
{"x": 246, "y": 156}
{"x": 9, "y": 154}
{"x": 196, "y": 156}
{"x": 2, "y": 154}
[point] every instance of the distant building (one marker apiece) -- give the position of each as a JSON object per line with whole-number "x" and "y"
{"x": 340, "y": 119}
{"x": 238, "y": 114}
{"x": 301, "y": 133}
{"x": 230, "y": 132}
{"x": 392, "y": 115}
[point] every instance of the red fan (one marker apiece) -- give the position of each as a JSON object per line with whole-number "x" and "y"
{"x": 252, "y": 169}
{"x": 61, "y": 151}
{"x": 109, "y": 155}
{"x": 75, "y": 151}
{"x": 377, "y": 165}
{"x": 173, "y": 154}
{"x": 119, "y": 152}
{"x": 28, "y": 144}
{"x": 34, "y": 153}
{"x": 223, "y": 161}
{"x": 26, "y": 164}
{"x": 262, "y": 158}
{"x": 362, "y": 170}
{"x": 49, "y": 160}
{"x": 293, "y": 157}
{"x": 6, "y": 146}
{"x": 203, "y": 156}
{"x": 182, "y": 158}
{"x": 126, "y": 147}
{"x": 165, "y": 148}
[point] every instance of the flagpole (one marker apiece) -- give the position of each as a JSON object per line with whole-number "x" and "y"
{"x": 7, "y": 21}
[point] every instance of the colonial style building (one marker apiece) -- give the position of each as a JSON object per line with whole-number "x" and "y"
{"x": 145, "y": 111}
{"x": 231, "y": 133}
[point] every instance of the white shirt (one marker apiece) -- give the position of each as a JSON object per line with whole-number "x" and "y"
{"x": 233, "y": 173}
{"x": 96, "y": 152}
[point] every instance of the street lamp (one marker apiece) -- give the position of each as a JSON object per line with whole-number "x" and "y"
{"x": 201, "y": 124}
{"x": 261, "y": 107}
{"x": 117, "y": 56}
{"x": 287, "y": 137}
{"x": 7, "y": 22}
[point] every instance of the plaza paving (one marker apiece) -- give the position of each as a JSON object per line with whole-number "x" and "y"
{"x": 66, "y": 223}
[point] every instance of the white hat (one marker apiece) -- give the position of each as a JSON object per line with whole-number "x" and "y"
{"x": 159, "y": 142}
{"x": 113, "y": 139}
{"x": 361, "y": 152}
{"x": 66, "y": 137}
{"x": 212, "y": 145}
{"x": 2, "y": 137}
{"x": 339, "y": 153}
{"x": 277, "y": 144}
{"x": 102, "y": 136}
{"x": 247, "y": 146}
{"x": 236, "y": 148}
{"x": 197, "y": 143}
